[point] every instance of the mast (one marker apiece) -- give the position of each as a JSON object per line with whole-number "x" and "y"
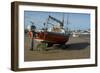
{"x": 67, "y": 21}
{"x": 55, "y": 19}
{"x": 62, "y": 25}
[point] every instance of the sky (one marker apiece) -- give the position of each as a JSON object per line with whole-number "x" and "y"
{"x": 76, "y": 21}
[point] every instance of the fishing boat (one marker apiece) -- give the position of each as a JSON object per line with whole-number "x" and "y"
{"x": 54, "y": 35}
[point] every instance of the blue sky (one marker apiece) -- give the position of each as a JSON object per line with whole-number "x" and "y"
{"x": 77, "y": 21}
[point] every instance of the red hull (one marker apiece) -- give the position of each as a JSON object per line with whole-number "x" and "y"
{"x": 53, "y": 37}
